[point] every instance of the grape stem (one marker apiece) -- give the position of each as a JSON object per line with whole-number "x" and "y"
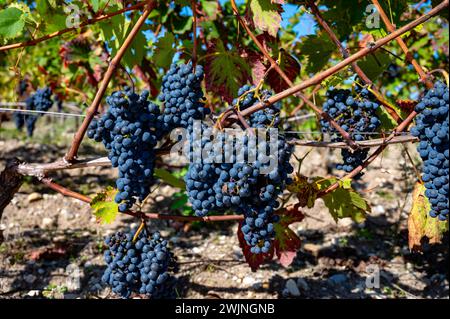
{"x": 113, "y": 65}
{"x": 63, "y": 31}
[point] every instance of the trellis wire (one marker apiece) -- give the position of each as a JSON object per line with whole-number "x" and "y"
{"x": 7, "y": 110}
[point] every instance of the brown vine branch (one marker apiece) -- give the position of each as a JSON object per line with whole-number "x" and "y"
{"x": 409, "y": 57}
{"x": 114, "y": 64}
{"x": 345, "y": 53}
{"x": 317, "y": 79}
{"x": 277, "y": 68}
{"x": 60, "y": 32}
{"x": 362, "y": 144}
{"x": 299, "y": 107}
{"x": 67, "y": 192}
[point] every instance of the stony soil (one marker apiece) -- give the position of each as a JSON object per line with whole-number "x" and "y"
{"x": 53, "y": 245}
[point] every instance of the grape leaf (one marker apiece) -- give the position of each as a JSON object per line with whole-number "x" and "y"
{"x": 318, "y": 49}
{"x": 226, "y": 71}
{"x": 289, "y": 65}
{"x": 306, "y": 192}
{"x": 266, "y": 16}
{"x": 420, "y": 224}
{"x": 57, "y": 22}
{"x": 375, "y": 64}
{"x": 41, "y": 6}
{"x": 344, "y": 201}
{"x": 164, "y": 50}
{"x": 286, "y": 241}
{"x": 104, "y": 207}
{"x": 211, "y": 8}
{"x": 170, "y": 179}
{"x": 12, "y": 22}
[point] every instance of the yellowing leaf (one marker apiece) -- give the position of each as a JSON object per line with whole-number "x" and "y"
{"x": 420, "y": 224}
{"x": 344, "y": 201}
{"x": 104, "y": 207}
{"x": 266, "y": 16}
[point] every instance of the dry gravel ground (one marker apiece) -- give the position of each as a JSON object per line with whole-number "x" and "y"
{"x": 53, "y": 245}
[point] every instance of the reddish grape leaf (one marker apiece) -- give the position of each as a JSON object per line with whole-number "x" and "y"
{"x": 253, "y": 260}
{"x": 286, "y": 241}
{"x": 284, "y": 246}
{"x": 255, "y": 60}
{"x": 290, "y": 66}
{"x": 406, "y": 105}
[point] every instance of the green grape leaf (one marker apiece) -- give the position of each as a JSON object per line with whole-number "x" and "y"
{"x": 266, "y": 16}
{"x": 226, "y": 71}
{"x": 387, "y": 122}
{"x": 164, "y": 50}
{"x": 211, "y": 8}
{"x": 181, "y": 200}
{"x": 375, "y": 64}
{"x": 136, "y": 51}
{"x": 318, "y": 49}
{"x": 420, "y": 224}
{"x": 169, "y": 178}
{"x": 12, "y": 22}
{"x": 42, "y": 7}
{"x": 104, "y": 207}
{"x": 344, "y": 201}
{"x": 56, "y": 23}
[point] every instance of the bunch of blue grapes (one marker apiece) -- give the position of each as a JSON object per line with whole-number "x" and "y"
{"x": 40, "y": 101}
{"x": 355, "y": 115}
{"x": 141, "y": 266}
{"x": 130, "y": 130}
{"x": 432, "y": 130}
{"x": 246, "y": 178}
{"x": 182, "y": 96}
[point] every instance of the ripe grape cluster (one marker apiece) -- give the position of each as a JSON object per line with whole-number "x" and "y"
{"x": 139, "y": 266}
{"x": 355, "y": 115}
{"x": 40, "y": 101}
{"x": 246, "y": 178}
{"x": 432, "y": 130}
{"x": 182, "y": 96}
{"x": 130, "y": 131}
